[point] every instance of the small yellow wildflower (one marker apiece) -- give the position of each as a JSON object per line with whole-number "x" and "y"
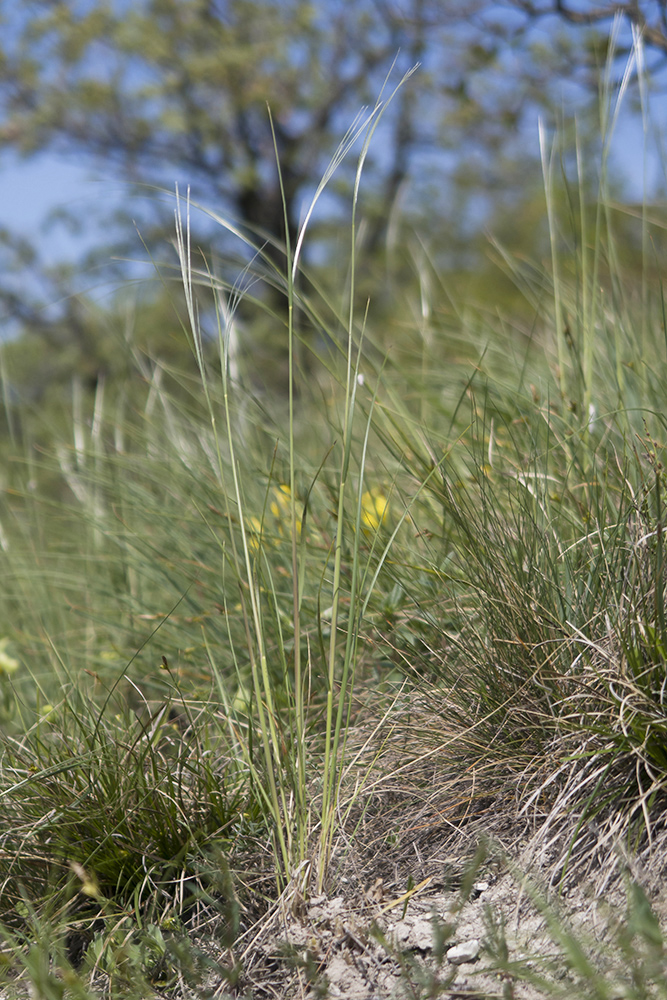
{"x": 374, "y": 509}
{"x": 254, "y": 526}
{"x": 8, "y": 665}
{"x": 283, "y": 497}
{"x": 281, "y": 505}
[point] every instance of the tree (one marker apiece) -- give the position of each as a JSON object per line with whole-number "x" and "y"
{"x": 165, "y": 90}
{"x": 178, "y": 89}
{"x": 649, "y": 19}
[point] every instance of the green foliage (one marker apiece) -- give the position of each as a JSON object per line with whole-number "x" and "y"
{"x": 179, "y": 89}
{"x": 225, "y": 618}
{"x": 163, "y": 91}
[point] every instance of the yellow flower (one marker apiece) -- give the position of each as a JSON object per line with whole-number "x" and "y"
{"x": 8, "y": 665}
{"x": 254, "y": 526}
{"x": 280, "y": 507}
{"x": 374, "y": 509}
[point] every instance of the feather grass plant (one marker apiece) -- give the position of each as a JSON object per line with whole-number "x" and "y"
{"x": 284, "y": 742}
{"x": 238, "y": 655}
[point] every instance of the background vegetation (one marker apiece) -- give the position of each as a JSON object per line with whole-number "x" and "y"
{"x": 152, "y": 93}
{"x": 337, "y": 524}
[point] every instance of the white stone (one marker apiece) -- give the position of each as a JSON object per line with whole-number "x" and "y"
{"x": 467, "y": 951}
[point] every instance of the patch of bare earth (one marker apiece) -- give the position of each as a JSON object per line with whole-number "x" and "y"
{"x": 441, "y": 875}
{"x": 370, "y": 944}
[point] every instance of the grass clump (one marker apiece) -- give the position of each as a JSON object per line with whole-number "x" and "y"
{"x": 246, "y": 666}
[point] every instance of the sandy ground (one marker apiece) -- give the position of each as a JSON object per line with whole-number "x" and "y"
{"x": 425, "y": 943}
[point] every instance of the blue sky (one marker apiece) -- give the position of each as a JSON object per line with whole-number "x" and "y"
{"x": 32, "y": 189}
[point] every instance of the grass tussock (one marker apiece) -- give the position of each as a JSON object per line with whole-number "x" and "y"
{"x": 258, "y": 651}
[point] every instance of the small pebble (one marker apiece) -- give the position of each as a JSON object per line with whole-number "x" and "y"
{"x": 467, "y": 951}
